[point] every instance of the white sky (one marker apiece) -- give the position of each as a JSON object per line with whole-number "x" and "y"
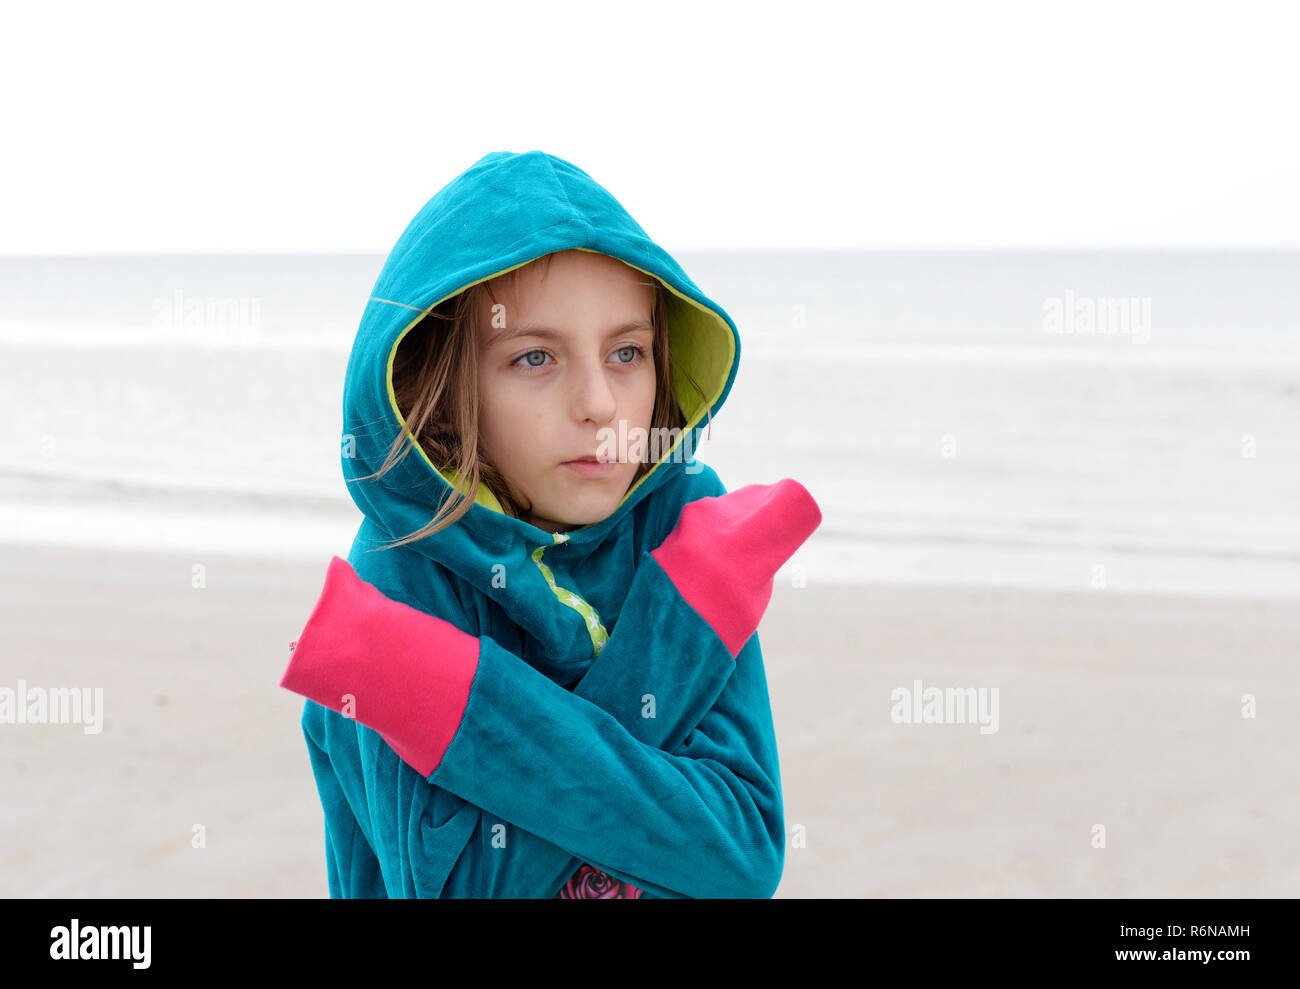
{"x": 242, "y": 126}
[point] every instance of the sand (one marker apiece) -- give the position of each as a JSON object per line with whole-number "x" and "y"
{"x": 1120, "y": 711}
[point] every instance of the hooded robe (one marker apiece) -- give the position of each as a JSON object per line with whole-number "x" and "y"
{"x": 611, "y": 744}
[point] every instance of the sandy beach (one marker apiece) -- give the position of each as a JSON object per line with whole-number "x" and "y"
{"x": 1117, "y": 711}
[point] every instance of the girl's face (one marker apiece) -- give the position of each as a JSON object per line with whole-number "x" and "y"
{"x": 573, "y": 357}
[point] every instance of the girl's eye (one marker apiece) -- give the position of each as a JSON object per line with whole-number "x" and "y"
{"x": 633, "y": 353}
{"x": 530, "y": 364}
{"x": 637, "y": 354}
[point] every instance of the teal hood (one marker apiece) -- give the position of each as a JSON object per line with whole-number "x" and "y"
{"x": 503, "y": 212}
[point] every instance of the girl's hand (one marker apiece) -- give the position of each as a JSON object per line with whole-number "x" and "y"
{"x": 396, "y": 669}
{"x": 724, "y": 552}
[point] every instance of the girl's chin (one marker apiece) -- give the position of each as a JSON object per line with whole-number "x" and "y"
{"x": 591, "y": 511}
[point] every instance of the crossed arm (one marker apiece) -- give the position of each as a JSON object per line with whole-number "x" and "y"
{"x": 685, "y": 802}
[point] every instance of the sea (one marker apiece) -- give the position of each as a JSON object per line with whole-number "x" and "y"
{"x": 1120, "y": 421}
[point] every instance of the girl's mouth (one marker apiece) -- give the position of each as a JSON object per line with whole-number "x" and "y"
{"x": 589, "y": 468}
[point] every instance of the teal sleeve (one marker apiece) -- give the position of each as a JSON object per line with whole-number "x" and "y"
{"x": 699, "y": 817}
{"x": 657, "y": 698}
{"x": 435, "y": 843}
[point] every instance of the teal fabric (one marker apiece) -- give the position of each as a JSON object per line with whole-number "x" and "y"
{"x": 556, "y": 761}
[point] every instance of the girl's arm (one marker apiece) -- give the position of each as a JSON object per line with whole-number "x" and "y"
{"x": 658, "y": 696}
{"x": 702, "y": 820}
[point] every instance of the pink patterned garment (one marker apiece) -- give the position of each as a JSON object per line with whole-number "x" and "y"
{"x": 589, "y": 883}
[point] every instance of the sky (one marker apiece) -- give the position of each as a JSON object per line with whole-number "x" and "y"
{"x": 238, "y": 127}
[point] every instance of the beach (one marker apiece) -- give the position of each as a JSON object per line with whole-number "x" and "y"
{"x": 1116, "y": 710}
{"x": 1093, "y": 535}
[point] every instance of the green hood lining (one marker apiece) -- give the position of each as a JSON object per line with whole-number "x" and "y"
{"x": 700, "y": 339}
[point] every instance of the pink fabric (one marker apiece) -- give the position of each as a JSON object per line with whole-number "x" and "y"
{"x": 401, "y": 671}
{"x": 589, "y": 883}
{"x": 724, "y": 552}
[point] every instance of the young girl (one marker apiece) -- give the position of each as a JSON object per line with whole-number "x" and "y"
{"x": 537, "y": 673}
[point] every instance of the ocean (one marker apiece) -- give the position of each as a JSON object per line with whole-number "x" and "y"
{"x": 1122, "y": 421}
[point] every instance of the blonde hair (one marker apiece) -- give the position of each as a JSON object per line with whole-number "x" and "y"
{"x": 435, "y": 380}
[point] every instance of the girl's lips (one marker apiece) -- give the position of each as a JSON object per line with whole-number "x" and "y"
{"x": 589, "y": 468}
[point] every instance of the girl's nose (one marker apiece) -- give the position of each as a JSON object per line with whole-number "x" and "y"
{"x": 593, "y": 398}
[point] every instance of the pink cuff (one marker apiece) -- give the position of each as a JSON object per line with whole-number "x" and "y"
{"x": 725, "y": 550}
{"x": 401, "y": 671}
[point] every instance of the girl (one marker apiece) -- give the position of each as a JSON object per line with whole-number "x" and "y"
{"x": 552, "y": 686}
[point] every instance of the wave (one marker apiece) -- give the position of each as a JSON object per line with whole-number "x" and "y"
{"x": 108, "y": 337}
{"x": 1037, "y": 542}
{"x": 78, "y": 486}
{"x": 1133, "y": 354}
{"x": 112, "y": 485}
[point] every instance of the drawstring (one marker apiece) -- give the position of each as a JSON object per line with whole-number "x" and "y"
{"x": 571, "y": 598}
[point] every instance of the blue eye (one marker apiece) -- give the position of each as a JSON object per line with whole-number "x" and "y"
{"x": 636, "y": 354}
{"x": 529, "y": 365}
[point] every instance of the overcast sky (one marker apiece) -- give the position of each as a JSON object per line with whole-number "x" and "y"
{"x": 262, "y": 126}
